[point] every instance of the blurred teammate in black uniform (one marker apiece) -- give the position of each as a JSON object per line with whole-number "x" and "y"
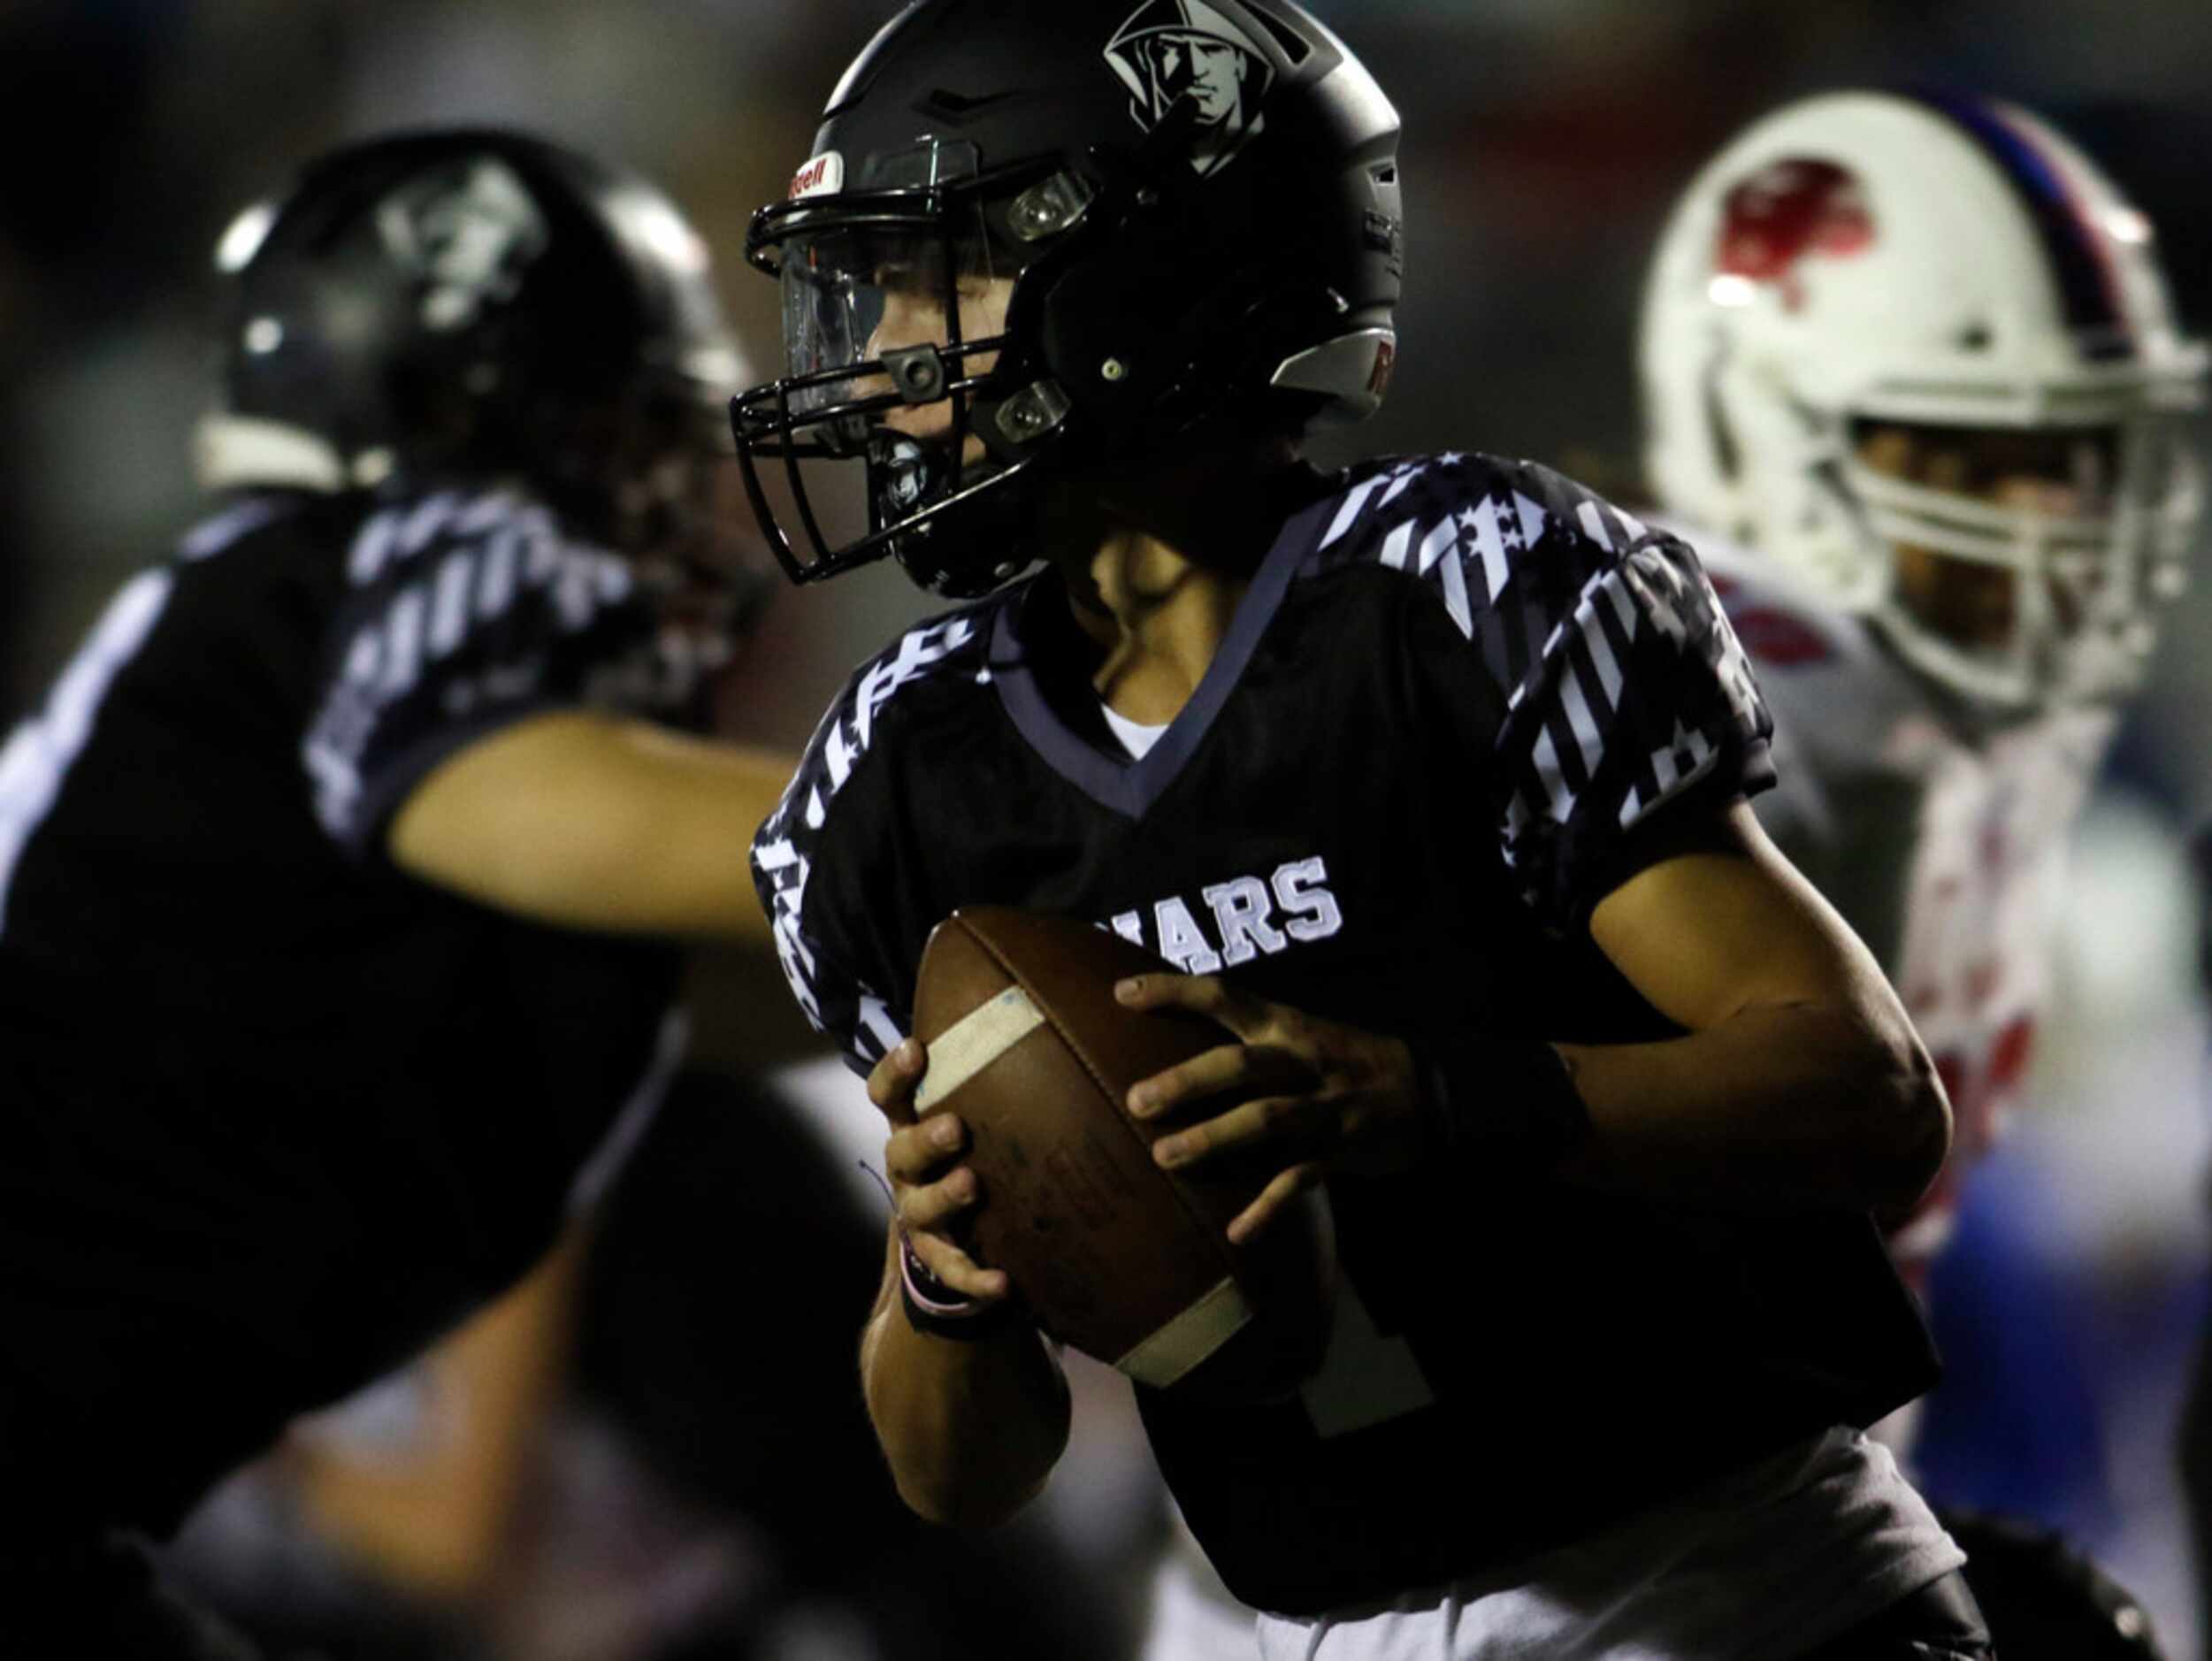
{"x": 339, "y": 869}
{"x": 1430, "y": 774}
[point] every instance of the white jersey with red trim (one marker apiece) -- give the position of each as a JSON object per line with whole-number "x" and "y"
{"x": 1943, "y": 843}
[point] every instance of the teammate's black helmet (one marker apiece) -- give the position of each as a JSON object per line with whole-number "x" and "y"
{"x": 1156, "y": 221}
{"x": 470, "y": 302}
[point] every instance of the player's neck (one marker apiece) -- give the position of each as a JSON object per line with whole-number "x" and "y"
{"x": 1155, "y": 560}
{"x": 1158, "y": 617}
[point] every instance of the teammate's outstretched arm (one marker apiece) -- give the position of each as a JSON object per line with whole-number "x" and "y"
{"x": 599, "y": 821}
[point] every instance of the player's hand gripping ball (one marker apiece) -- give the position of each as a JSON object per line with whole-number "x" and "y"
{"x": 1030, "y": 1050}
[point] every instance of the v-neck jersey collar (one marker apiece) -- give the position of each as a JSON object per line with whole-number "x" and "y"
{"x": 1130, "y": 785}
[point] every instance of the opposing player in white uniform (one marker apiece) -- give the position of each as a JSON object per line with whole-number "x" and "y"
{"x": 1944, "y": 838}
{"x": 1917, "y": 359}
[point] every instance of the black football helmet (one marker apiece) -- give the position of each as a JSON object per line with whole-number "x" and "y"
{"x": 473, "y": 302}
{"x": 1037, "y": 237}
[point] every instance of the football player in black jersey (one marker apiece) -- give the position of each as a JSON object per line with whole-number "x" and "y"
{"x": 341, "y": 870}
{"x": 1429, "y": 777}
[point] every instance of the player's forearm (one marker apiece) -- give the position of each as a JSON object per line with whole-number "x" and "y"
{"x": 1799, "y": 1081}
{"x": 587, "y": 822}
{"x": 1778, "y": 1106}
{"x": 971, "y": 1430}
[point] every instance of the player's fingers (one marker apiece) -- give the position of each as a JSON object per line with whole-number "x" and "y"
{"x": 891, "y": 1082}
{"x": 1238, "y": 1068}
{"x": 1271, "y": 1118}
{"x": 926, "y": 1205}
{"x": 953, "y": 1267}
{"x": 1286, "y": 1186}
{"x": 916, "y": 1152}
{"x": 1207, "y": 995}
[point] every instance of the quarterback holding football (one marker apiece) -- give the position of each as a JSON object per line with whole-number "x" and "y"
{"x": 1428, "y": 779}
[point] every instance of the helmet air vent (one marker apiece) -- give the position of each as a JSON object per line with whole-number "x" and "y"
{"x": 1296, "y": 47}
{"x": 955, "y": 107}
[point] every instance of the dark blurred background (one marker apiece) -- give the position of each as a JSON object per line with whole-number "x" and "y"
{"x": 1545, "y": 140}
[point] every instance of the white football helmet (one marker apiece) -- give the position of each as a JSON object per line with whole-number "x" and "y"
{"x": 1951, "y": 263}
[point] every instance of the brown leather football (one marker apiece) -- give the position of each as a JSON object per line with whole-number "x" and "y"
{"x": 1129, "y": 1263}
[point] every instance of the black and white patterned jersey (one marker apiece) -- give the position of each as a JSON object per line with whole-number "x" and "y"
{"x": 1453, "y": 708}
{"x": 287, "y": 1110}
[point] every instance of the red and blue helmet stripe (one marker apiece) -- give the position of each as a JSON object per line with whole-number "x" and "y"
{"x": 2080, "y": 257}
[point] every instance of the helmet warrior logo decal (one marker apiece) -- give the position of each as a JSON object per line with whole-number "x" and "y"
{"x": 469, "y": 236}
{"x": 1168, "y": 49}
{"x": 1784, "y": 214}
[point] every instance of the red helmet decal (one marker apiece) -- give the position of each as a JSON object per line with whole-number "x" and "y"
{"x": 1783, "y": 214}
{"x": 1775, "y": 638}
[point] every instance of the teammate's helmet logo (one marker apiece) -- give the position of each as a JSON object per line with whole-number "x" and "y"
{"x": 1784, "y": 214}
{"x": 1171, "y": 48}
{"x": 469, "y": 233}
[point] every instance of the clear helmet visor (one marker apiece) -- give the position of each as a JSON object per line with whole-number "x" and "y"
{"x": 896, "y": 298}
{"x": 891, "y": 332}
{"x": 853, "y": 296}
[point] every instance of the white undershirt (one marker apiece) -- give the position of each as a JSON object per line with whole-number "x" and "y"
{"x": 1135, "y": 736}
